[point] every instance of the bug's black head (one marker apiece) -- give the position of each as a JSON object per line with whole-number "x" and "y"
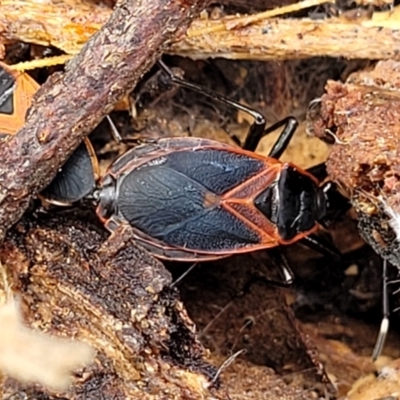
{"x": 331, "y": 204}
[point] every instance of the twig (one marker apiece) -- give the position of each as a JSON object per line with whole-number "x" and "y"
{"x": 235, "y": 22}
{"x": 70, "y": 105}
{"x": 282, "y": 39}
{"x": 254, "y": 37}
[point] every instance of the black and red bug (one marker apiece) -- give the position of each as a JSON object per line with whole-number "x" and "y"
{"x": 16, "y": 92}
{"x": 193, "y": 199}
{"x": 196, "y": 199}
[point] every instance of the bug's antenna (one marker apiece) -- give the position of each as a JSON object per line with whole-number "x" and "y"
{"x": 226, "y": 364}
{"x": 176, "y": 282}
{"x": 114, "y": 131}
{"x": 384, "y": 329}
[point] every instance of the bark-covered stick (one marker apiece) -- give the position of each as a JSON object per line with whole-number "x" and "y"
{"x": 70, "y": 105}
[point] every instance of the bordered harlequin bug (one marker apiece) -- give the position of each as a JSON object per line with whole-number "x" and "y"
{"x": 16, "y": 92}
{"x": 192, "y": 199}
{"x": 196, "y": 199}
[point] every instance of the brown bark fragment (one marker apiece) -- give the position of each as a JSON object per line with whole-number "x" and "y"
{"x": 68, "y": 106}
{"x": 114, "y": 297}
{"x": 364, "y": 114}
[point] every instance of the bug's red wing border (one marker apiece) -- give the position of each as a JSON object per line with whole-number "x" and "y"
{"x": 160, "y": 250}
{"x": 145, "y": 153}
{"x": 168, "y": 253}
{"x": 240, "y": 201}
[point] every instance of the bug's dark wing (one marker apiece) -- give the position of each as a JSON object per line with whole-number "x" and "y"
{"x": 174, "y": 208}
{"x": 74, "y": 181}
{"x": 217, "y": 170}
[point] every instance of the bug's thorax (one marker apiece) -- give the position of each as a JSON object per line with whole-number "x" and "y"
{"x": 296, "y": 203}
{"x": 290, "y": 203}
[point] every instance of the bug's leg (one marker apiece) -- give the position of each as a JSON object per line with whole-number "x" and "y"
{"x": 119, "y": 139}
{"x": 290, "y": 125}
{"x": 384, "y": 328}
{"x": 283, "y": 264}
{"x": 256, "y": 129}
{"x": 114, "y": 131}
{"x": 322, "y": 246}
{"x": 179, "y": 279}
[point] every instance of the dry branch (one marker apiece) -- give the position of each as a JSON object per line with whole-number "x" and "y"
{"x": 69, "y": 106}
{"x": 254, "y": 37}
{"x": 282, "y": 39}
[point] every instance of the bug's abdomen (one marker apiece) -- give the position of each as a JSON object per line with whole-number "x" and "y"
{"x": 75, "y": 180}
